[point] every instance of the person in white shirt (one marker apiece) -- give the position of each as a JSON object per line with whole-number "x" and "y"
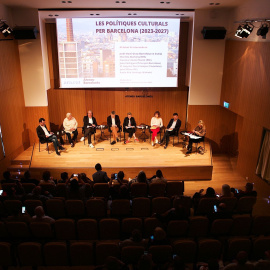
{"x": 172, "y": 129}
{"x": 46, "y": 136}
{"x": 70, "y": 126}
{"x": 156, "y": 125}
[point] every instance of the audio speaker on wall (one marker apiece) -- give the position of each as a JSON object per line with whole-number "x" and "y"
{"x": 214, "y": 32}
{"x": 25, "y": 32}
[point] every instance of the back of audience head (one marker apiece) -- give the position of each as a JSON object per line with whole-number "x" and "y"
{"x": 159, "y": 234}
{"x": 123, "y": 192}
{"x": 141, "y": 177}
{"x": 37, "y": 190}
{"x": 27, "y": 175}
{"x": 46, "y": 176}
{"x": 210, "y": 192}
{"x": 64, "y": 176}
{"x": 74, "y": 184}
{"x": 249, "y": 187}
{"x": 136, "y": 236}
{"x": 98, "y": 167}
{"x": 226, "y": 190}
{"x": 159, "y": 174}
{"x": 6, "y": 175}
{"x": 120, "y": 175}
{"x": 39, "y": 212}
{"x": 242, "y": 257}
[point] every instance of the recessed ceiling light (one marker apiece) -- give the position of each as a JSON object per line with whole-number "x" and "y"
{"x": 50, "y": 15}
{"x": 168, "y": 2}
{"x": 211, "y": 4}
{"x": 56, "y": 15}
{"x": 134, "y": 13}
{"x": 217, "y": 4}
{"x": 177, "y": 14}
{"x": 97, "y": 14}
{"x": 63, "y": 2}
{"x": 117, "y": 2}
{"x": 69, "y": 2}
{"x": 161, "y": 2}
{"x": 123, "y": 2}
{"x": 129, "y": 14}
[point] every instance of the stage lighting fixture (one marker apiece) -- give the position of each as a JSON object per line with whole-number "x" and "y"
{"x": 243, "y": 31}
{"x": 5, "y": 29}
{"x": 263, "y": 30}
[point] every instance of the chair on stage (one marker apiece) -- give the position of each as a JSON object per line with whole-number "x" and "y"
{"x": 160, "y": 133}
{"x": 83, "y": 132}
{"x": 42, "y": 142}
{"x": 119, "y": 131}
{"x": 175, "y": 134}
{"x": 202, "y": 140}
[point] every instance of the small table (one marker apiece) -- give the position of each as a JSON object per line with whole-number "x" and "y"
{"x": 143, "y": 135}
{"x": 102, "y": 134}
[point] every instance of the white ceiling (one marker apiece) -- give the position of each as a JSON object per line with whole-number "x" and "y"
{"x": 130, "y": 4}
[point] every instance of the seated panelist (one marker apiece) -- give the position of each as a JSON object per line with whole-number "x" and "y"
{"x": 130, "y": 127}
{"x": 90, "y": 124}
{"x": 70, "y": 125}
{"x": 113, "y": 122}
{"x": 172, "y": 128}
{"x": 156, "y": 125}
{"x": 200, "y": 131}
{"x": 45, "y": 135}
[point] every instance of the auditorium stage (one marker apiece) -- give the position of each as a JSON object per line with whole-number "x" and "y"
{"x": 131, "y": 158}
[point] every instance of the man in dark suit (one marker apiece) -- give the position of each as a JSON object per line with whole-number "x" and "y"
{"x": 45, "y": 135}
{"x": 113, "y": 122}
{"x": 89, "y": 124}
{"x": 172, "y": 129}
{"x": 129, "y": 126}
{"x": 100, "y": 176}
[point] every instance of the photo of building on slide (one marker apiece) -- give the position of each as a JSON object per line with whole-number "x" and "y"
{"x": 86, "y": 53}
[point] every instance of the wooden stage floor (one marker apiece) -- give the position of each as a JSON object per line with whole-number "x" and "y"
{"x": 131, "y": 158}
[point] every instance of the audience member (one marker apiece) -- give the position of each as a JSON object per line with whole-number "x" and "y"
{"x": 247, "y": 192}
{"x": 100, "y": 176}
{"x": 135, "y": 240}
{"x": 263, "y": 264}
{"x": 36, "y": 194}
{"x": 11, "y": 193}
{"x": 241, "y": 263}
{"x": 177, "y": 213}
{"x": 47, "y": 178}
{"x": 84, "y": 178}
{"x": 76, "y": 189}
{"x": 159, "y": 178}
{"x": 159, "y": 237}
{"x": 7, "y": 178}
{"x": 210, "y": 193}
{"x": 27, "y": 179}
{"x": 140, "y": 178}
{"x": 226, "y": 191}
{"x": 41, "y": 217}
{"x": 220, "y": 213}
{"x": 18, "y": 216}
{"x": 64, "y": 177}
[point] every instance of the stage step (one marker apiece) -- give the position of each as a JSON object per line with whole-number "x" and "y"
{"x": 20, "y": 162}
{"x": 18, "y": 168}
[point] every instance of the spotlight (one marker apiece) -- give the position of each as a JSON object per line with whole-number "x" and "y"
{"x": 5, "y": 29}
{"x": 263, "y": 30}
{"x": 243, "y": 31}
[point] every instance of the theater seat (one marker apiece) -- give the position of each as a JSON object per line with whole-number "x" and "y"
{"x": 149, "y": 226}
{"x": 131, "y": 255}
{"x": 87, "y": 229}
{"x": 237, "y": 244}
{"x": 55, "y": 254}
{"x": 101, "y": 190}
{"x": 109, "y": 229}
{"x": 81, "y": 253}
{"x": 160, "y": 205}
{"x": 138, "y": 190}
{"x": 65, "y": 229}
{"x": 241, "y": 225}
{"x": 41, "y": 230}
{"x": 161, "y": 254}
{"x": 130, "y": 224}
{"x": 141, "y": 207}
{"x": 174, "y": 188}
{"x": 157, "y": 189}
{"x": 120, "y": 208}
{"x": 106, "y": 249}
{"x": 75, "y": 208}
{"x": 55, "y": 208}
{"x": 30, "y": 254}
{"x": 177, "y": 228}
{"x": 30, "y": 206}
{"x": 185, "y": 249}
{"x": 208, "y": 249}
{"x": 198, "y": 226}
{"x": 96, "y": 208}
{"x": 5, "y": 255}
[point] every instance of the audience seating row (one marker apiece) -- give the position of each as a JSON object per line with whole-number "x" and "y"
{"x": 171, "y": 188}
{"x": 139, "y": 207}
{"x": 83, "y": 253}
{"x": 112, "y": 229}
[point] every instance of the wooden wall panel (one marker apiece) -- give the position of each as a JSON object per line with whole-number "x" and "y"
{"x": 12, "y": 110}
{"x": 245, "y": 86}
{"x": 103, "y": 101}
{"x": 32, "y": 116}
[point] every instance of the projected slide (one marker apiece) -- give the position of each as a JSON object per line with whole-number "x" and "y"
{"x": 125, "y": 52}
